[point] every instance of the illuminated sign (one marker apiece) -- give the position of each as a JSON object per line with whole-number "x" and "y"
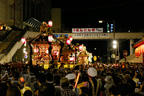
{"x": 78, "y": 30}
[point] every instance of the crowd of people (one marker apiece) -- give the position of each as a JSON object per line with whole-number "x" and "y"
{"x": 81, "y": 80}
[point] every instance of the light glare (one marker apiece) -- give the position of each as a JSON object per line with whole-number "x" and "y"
{"x": 114, "y": 42}
{"x": 114, "y": 46}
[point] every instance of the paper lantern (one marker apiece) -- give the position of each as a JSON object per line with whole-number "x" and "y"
{"x": 123, "y": 66}
{"x": 142, "y": 48}
{"x": 50, "y": 23}
{"x": 23, "y": 40}
{"x": 50, "y": 38}
{"x": 70, "y": 38}
{"x": 80, "y": 47}
{"x": 137, "y": 52}
{"x": 68, "y": 42}
{"x": 1, "y": 27}
{"x": 46, "y": 66}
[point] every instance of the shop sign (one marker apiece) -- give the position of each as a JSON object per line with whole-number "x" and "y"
{"x": 79, "y": 30}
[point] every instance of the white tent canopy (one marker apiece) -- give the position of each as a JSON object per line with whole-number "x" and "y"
{"x": 132, "y": 59}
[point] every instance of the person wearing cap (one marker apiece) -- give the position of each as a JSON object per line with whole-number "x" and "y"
{"x": 94, "y": 84}
{"x": 71, "y": 77}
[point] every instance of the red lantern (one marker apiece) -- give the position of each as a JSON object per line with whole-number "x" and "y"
{"x": 138, "y": 51}
{"x": 142, "y": 48}
{"x": 50, "y": 23}
{"x": 68, "y": 42}
{"x": 23, "y": 40}
{"x": 1, "y": 27}
{"x": 70, "y": 38}
{"x": 50, "y": 38}
{"x": 80, "y": 47}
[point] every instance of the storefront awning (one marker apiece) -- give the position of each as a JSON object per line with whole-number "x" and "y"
{"x": 133, "y": 59}
{"x": 140, "y": 42}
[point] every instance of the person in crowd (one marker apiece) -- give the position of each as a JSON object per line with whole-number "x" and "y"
{"x": 66, "y": 91}
{"x": 135, "y": 94}
{"x": 41, "y": 78}
{"x": 55, "y": 72}
{"x": 13, "y": 90}
{"x": 132, "y": 84}
{"x": 109, "y": 82}
{"x": 49, "y": 77}
{"x": 5, "y": 76}
{"x": 15, "y": 78}
{"x": 83, "y": 94}
{"x": 126, "y": 86}
{"x": 114, "y": 91}
{"x": 82, "y": 86}
{"x": 94, "y": 84}
{"x": 46, "y": 89}
{"x": 71, "y": 77}
{"x": 23, "y": 85}
{"x": 57, "y": 85}
{"x": 136, "y": 77}
{"x": 28, "y": 93}
{"x": 3, "y": 89}
{"x": 141, "y": 83}
{"x": 92, "y": 80}
{"x": 26, "y": 73}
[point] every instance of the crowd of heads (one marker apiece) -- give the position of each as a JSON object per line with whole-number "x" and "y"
{"x": 81, "y": 80}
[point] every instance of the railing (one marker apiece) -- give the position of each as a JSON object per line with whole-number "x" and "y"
{"x": 5, "y": 35}
{"x": 5, "y": 51}
{"x": 17, "y": 38}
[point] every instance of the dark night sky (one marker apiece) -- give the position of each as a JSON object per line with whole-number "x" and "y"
{"x": 128, "y": 15}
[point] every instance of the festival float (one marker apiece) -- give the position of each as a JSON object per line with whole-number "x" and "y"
{"x": 84, "y": 57}
{"x": 46, "y": 49}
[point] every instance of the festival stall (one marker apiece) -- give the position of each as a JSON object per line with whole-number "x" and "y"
{"x": 139, "y": 50}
